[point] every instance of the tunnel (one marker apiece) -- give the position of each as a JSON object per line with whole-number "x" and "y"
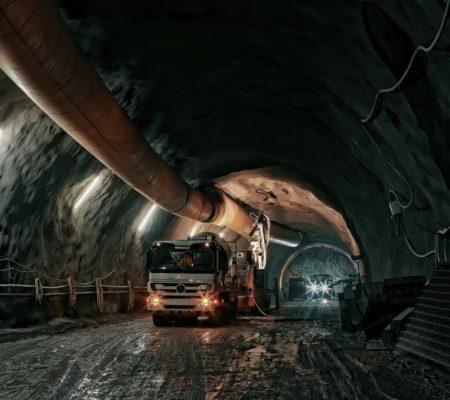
{"x": 296, "y": 153}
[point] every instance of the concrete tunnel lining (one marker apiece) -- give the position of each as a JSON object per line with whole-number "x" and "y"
{"x": 312, "y": 246}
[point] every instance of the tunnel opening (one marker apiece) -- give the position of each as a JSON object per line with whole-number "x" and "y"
{"x": 316, "y": 264}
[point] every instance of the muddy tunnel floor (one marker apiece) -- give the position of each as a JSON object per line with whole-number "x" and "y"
{"x": 128, "y": 358}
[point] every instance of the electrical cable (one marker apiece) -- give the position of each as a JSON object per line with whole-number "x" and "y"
{"x": 418, "y": 49}
{"x": 382, "y": 92}
{"x": 391, "y": 164}
{"x": 411, "y": 248}
{"x": 261, "y": 311}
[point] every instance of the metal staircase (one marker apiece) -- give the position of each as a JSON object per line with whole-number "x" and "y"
{"x": 427, "y": 333}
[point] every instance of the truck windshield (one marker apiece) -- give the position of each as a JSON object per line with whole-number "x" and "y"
{"x": 171, "y": 260}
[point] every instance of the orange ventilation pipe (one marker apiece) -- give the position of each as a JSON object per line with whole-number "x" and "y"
{"x": 39, "y": 54}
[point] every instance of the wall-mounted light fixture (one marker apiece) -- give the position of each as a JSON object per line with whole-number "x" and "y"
{"x": 147, "y": 217}
{"x": 88, "y": 191}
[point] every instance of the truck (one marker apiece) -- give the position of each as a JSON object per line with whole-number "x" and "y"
{"x": 197, "y": 278}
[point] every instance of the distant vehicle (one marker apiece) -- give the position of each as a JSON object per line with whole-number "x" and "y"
{"x": 197, "y": 278}
{"x": 320, "y": 286}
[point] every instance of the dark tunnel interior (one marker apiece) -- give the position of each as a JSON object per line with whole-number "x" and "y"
{"x": 323, "y": 121}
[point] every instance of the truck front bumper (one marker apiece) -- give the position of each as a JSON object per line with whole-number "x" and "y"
{"x": 182, "y": 307}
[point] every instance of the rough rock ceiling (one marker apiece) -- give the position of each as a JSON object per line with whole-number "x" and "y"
{"x": 220, "y": 87}
{"x": 286, "y": 202}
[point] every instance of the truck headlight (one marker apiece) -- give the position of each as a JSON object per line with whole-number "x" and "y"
{"x": 154, "y": 300}
{"x": 205, "y": 302}
{"x": 209, "y": 301}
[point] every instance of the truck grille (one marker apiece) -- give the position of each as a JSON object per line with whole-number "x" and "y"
{"x": 193, "y": 289}
{"x": 179, "y": 307}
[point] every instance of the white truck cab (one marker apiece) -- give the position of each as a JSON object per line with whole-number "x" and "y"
{"x": 192, "y": 278}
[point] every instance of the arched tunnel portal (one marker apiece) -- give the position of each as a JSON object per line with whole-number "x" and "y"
{"x": 339, "y": 269}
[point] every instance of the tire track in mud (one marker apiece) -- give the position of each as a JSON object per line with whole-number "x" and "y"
{"x": 184, "y": 375}
{"x": 75, "y": 381}
{"x": 246, "y": 360}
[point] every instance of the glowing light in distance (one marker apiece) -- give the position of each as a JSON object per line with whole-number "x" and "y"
{"x": 146, "y": 219}
{"x": 88, "y": 191}
{"x": 324, "y": 301}
{"x": 312, "y": 288}
{"x": 324, "y": 288}
{"x": 221, "y": 235}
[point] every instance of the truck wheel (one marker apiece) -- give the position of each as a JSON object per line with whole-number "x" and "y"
{"x": 159, "y": 320}
{"x": 220, "y": 317}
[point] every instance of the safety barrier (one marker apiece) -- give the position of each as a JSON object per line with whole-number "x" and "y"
{"x": 69, "y": 286}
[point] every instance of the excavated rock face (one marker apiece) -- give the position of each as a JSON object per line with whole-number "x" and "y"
{"x": 264, "y": 98}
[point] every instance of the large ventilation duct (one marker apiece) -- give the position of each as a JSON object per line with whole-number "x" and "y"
{"x": 38, "y": 53}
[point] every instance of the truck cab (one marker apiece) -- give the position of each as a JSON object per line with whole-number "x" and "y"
{"x": 191, "y": 279}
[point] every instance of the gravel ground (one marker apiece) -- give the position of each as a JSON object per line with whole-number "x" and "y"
{"x": 128, "y": 358}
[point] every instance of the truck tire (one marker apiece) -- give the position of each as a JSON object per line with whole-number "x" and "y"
{"x": 159, "y": 320}
{"x": 220, "y": 317}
